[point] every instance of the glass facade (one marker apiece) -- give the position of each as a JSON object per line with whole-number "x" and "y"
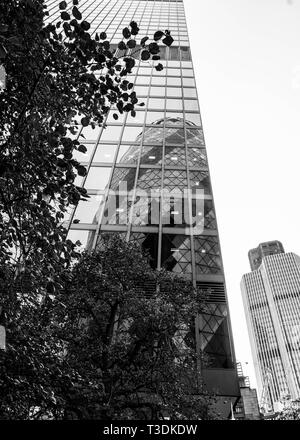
{"x": 148, "y": 175}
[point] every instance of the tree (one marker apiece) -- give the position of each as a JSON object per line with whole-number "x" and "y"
{"x": 291, "y": 411}
{"x": 130, "y": 328}
{"x": 117, "y": 342}
{"x": 52, "y": 86}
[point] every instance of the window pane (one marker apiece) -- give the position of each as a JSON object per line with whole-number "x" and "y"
{"x": 97, "y": 178}
{"x": 84, "y": 157}
{"x": 151, "y": 155}
{"x": 111, "y": 120}
{"x": 158, "y": 91}
{"x": 154, "y": 135}
{"x": 207, "y": 254}
{"x": 194, "y": 118}
{"x": 111, "y": 133}
{"x": 174, "y": 91}
{"x": 89, "y": 133}
{"x": 132, "y": 134}
{"x": 85, "y": 237}
{"x": 105, "y": 153}
{"x": 156, "y": 103}
{"x": 174, "y": 104}
{"x": 149, "y": 179}
{"x": 197, "y": 157}
{"x": 188, "y": 82}
{"x": 154, "y": 117}
{"x": 139, "y": 116}
{"x": 123, "y": 176}
{"x": 187, "y": 72}
{"x": 189, "y": 93}
{"x": 141, "y": 90}
{"x": 128, "y": 154}
{"x": 175, "y": 156}
{"x": 176, "y": 253}
{"x": 174, "y": 81}
{"x": 158, "y": 80}
{"x": 191, "y": 104}
{"x": 88, "y": 211}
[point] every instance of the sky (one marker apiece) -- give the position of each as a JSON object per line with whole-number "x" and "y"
{"x": 246, "y": 56}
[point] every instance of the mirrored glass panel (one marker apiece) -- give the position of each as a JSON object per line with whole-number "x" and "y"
{"x": 151, "y": 155}
{"x": 176, "y": 253}
{"x": 84, "y": 157}
{"x": 132, "y": 134}
{"x": 97, "y": 178}
{"x": 105, "y": 153}
{"x": 128, "y": 154}
{"x": 207, "y": 255}
{"x": 111, "y": 133}
{"x": 87, "y": 211}
{"x": 123, "y": 177}
{"x": 85, "y": 237}
{"x": 88, "y": 133}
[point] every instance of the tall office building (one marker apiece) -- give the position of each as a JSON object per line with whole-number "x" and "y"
{"x": 148, "y": 175}
{"x": 271, "y": 296}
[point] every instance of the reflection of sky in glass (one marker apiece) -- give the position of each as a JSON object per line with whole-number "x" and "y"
{"x": 97, "y": 178}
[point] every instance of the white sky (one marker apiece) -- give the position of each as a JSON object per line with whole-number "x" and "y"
{"x": 246, "y": 56}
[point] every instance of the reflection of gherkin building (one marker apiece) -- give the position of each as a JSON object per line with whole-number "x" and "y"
{"x": 161, "y": 156}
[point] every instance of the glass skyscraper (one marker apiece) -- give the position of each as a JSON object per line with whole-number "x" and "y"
{"x": 148, "y": 176}
{"x": 271, "y": 295}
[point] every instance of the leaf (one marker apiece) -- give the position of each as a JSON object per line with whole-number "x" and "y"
{"x": 153, "y": 48}
{"x": 103, "y": 36}
{"x": 76, "y": 13}
{"x": 82, "y": 148}
{"x": 145, "y": 55}
{"x": 81, "y": 170}
{"x": 63, "y": 5}
{"x": 134, "y": 28}
{"x": 158, "y": 35}
{"x": 75, "y": 2}
{"x": 131, "y": 44}
{"x": 115, "y": 116}
{"x": 85, "y": 25}
{"x": 143, "y": 41}
{"x": 122, "y": 46}
{"x": 65, "y": 16}
{"x": 85, "y": 121}
{"x": 130, "y": 63}
{"x": 126, "y": 33}
{"x": 159, "y": 67}
{"x": 168, "y": 40}
{"x": 133, "y": 24}
{"x": 76, "y": 220}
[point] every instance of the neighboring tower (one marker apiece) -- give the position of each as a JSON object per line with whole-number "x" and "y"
{"x": 271, "y": 296}
{"x": 161, "y": 150}
{"x": 247, "y": 407}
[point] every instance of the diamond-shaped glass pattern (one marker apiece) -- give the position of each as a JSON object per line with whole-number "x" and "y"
{"x": 207, "y": 255}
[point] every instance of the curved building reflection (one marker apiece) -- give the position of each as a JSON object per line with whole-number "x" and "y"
{"x": 160, "y": 192}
